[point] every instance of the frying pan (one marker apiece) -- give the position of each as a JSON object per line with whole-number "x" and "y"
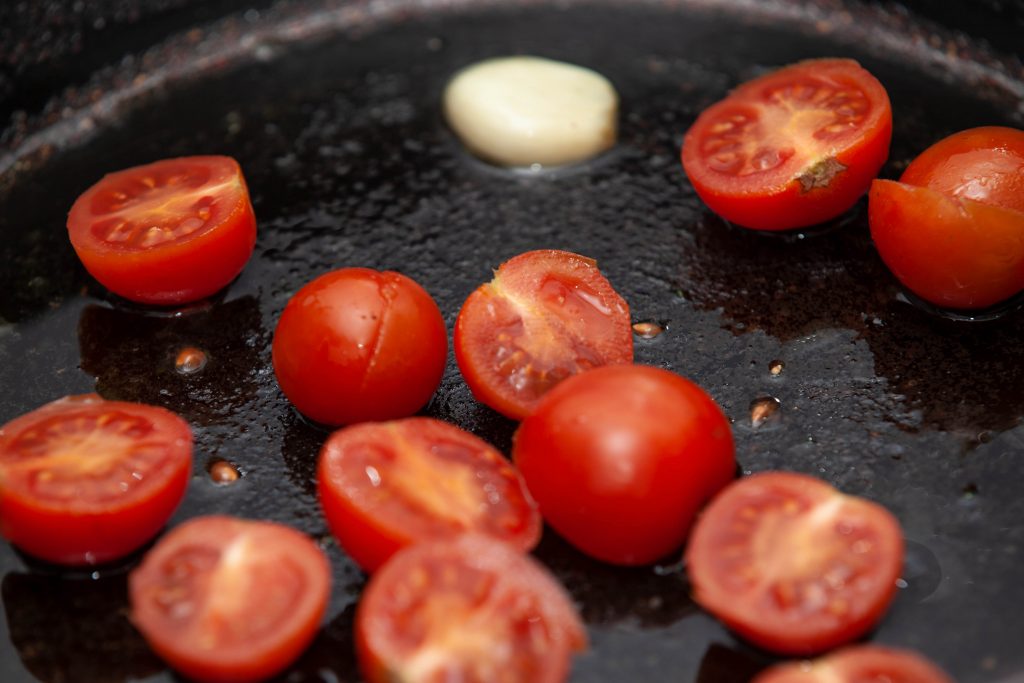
{"x": 333, "y": 111}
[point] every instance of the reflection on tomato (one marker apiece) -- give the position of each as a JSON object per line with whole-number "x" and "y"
{"x": 166, "y": 233}
{"x": 621, "y": 458}
{"x": 793, "y": 565}
{"x": 86, "y": 481}
{"x": 792, "y": 148}
{"x": 858, "y": 664}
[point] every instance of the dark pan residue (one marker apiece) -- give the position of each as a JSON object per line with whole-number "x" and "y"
{"x": 337, "y": 126}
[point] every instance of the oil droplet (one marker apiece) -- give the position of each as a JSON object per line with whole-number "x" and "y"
{"x": 900, "y": 583}
{"x": 763, "y": 409}
{"x": 95, "y": 576}
{"x": 223, "y": 472}
{"x": 775, "y": 367}
{"x": 647, "y": 330}
{"x": 190, "y": 360}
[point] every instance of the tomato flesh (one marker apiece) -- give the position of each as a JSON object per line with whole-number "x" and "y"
{"x": 87, "y": 481}
{"x": 546, "y": 316}
{"x": 858, "y": 664}
{"x": 384, "y": 486}
{"x": 792, "y": 148}
{"x": 792, "y": 565}
{"x": 952, "y": 229}
{"x": 358, "y": 344}
{"x": 469, "y": 609}
{"x": 166, "y": 233}
{"x": 621, "y": 458}
{"x": 224, "y": 599}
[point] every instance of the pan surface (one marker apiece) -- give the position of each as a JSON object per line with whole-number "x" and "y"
{"x": 334, "y": 115}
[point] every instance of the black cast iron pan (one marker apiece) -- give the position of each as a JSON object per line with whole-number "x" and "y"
{"x": 333, "y": 112}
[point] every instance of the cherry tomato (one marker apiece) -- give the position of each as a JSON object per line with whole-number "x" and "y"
{"x": 359, "y": 344}
{"x": 546, "y": 315}
{"x": 225, "y": 599}
{"x": 469, "y": 609}
{"x": 387, "y": 485}
{"x": 166, "y": 233}
{"x": 86, "y": 481}
{"x": 621, "y": 458}
{"x": 858, "y": 664}
{"x": 952, "y": 229}
{"x": 792, "y": 148}
{"x": 792, "y": 565}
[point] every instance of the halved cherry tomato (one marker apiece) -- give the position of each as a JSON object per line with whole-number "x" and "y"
{"x": 952, "y": 229}
{"x": 620, "y": 459}
{"x": 470, "y": 609}
{"x": 225, "y": 599}
{"x": 793, "y": 565}
{"x": 384, "y": 486}
{"x": 86, "y": 481}
{"x": 546, "y": 315}
{"x": 858, "y": 664}
{"x": 791, "y": 148}
{"x": 359, "y": 344}
{"x": 166, "y": 233}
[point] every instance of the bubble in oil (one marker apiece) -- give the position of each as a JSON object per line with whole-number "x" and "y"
{"x": 647, "y": 330}
{"x": 776, "y": 367}
{"x": 190, "y": 360}
{"x": 223, "y": 472}
{"x": 763, "y": 410}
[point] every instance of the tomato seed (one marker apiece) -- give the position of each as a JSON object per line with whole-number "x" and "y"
{"x": 223, "y": 472}
{"x": 647, "y": 330}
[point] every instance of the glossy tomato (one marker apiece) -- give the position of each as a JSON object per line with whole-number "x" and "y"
{"x": 387, "y": 485}
{"x": 620, "y": 459}
{"x": 86, "y": 481}
{"x": 469, "y": 609}
{"x": 359, "y": 344}
{"x": 952, "y": 229}
{"x": 791, "y": 148}
{"x": 546, "y": 315}
{"x": 793, "y": 565}
{"x": 168, "y": 232}
{"x": 224, "y": 599}
{"x": 858, "y": 664}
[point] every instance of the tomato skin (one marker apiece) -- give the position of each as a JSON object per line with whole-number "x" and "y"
{"x": 357, "y": 344}
{"x": 792, "y": 565}
{"x": 621, "y": 458}
{"x": 858, "y": 664}
{"x": 469, "y": 607}
{"x": 807, "y": 187}
{"x": 545, "y": 316}
{"x": 93, "y": 525}
{"x": 431, "y": 481}
{"x": 175, "y": 271}
{"x": 952, "y": 229}
{"x": 227, "y": 600}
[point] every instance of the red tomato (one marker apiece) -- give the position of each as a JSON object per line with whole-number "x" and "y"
{"x": 358, "y": 344}
{"x": 469, "y": 609}
{"x": 620, "y": 459}
{"x": 858, "y": 664}
{"x": 384, "y": 486}
{"x": 86, "y": 481}
{"x": 166, "y": 233}
{"x": 546, "y": 315}
{"x": 224, "y": 599}
{"x": 792, "y": 148}
{"x": 952, "y": 229}
{"x": 792, "y": 565}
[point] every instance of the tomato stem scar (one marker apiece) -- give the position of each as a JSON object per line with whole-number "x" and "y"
{"x": 820, "y": 174}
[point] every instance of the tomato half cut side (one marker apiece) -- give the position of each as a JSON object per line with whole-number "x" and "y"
{"x": 226, "y": 599}
{"x": 384, "y": 486}
{"x": 954, "y": 252}
{"x": 547, "y": 315}
{"x": 858, "y": 664}
{"x": 793, "y": 565}
{"x": 86, "y": 481}
{"x": 166, "y": 233}
{"x": 792, "y": 148}
{"x": 469, "y": 609}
